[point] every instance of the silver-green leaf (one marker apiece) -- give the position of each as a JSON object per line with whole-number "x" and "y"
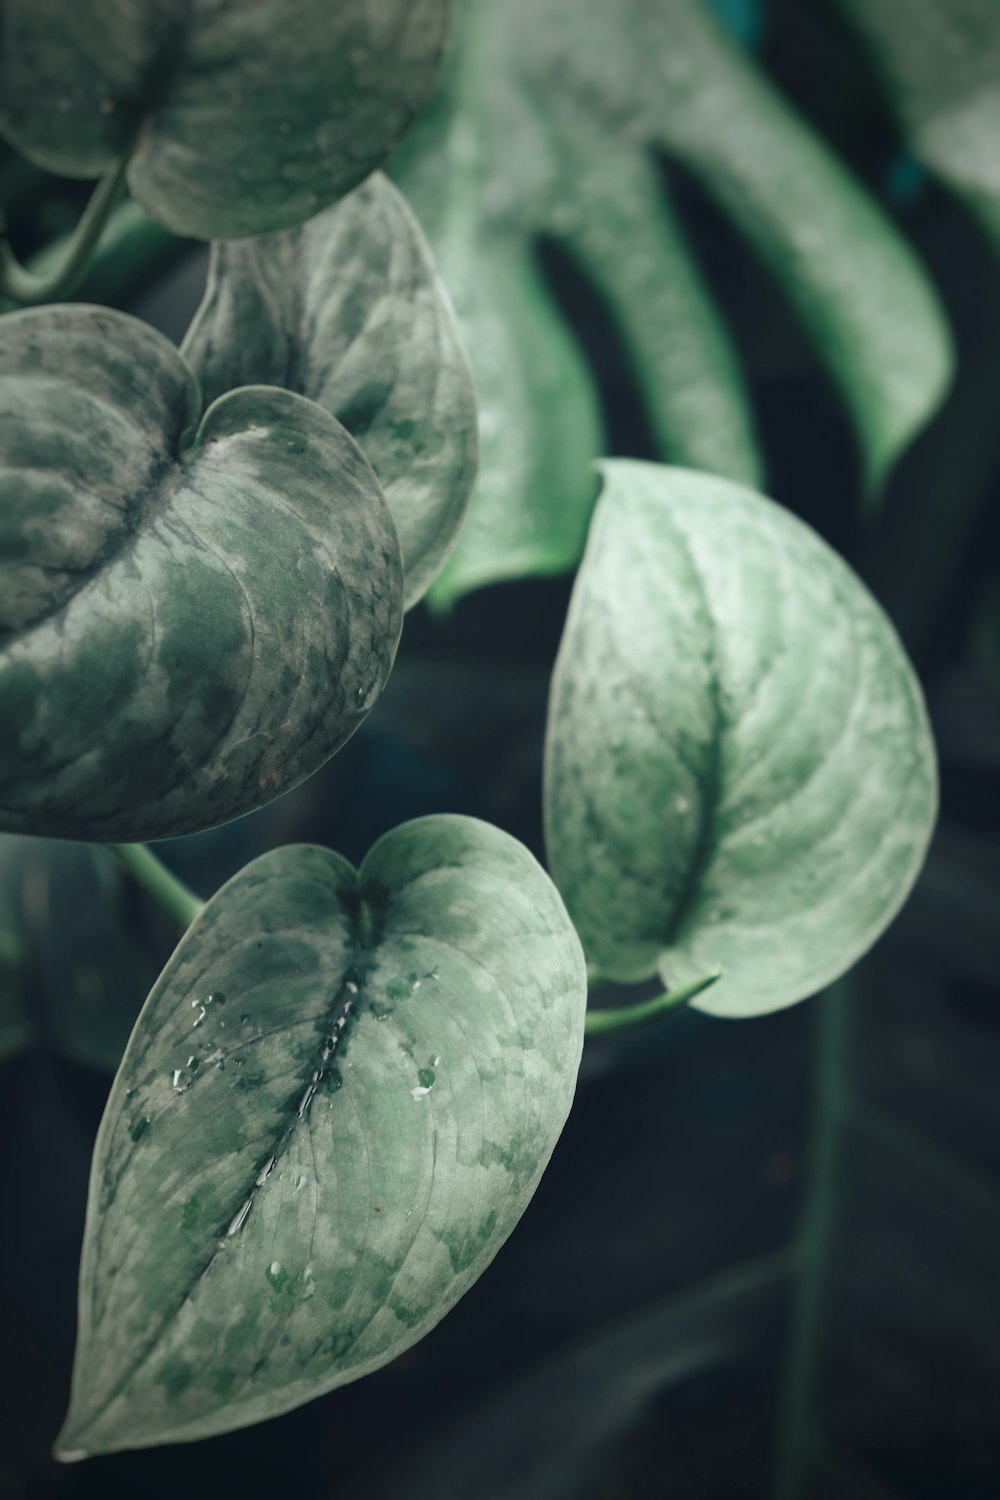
{"x": 240, "y": 118}
{"x": 335, "y": 1106}
{"x": 739, "y": 768}
{"x": 348, "y": 310}
{"x": 193, "y": 617}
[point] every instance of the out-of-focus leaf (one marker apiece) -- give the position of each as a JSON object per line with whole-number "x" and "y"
{"x": 239, "y": 118}
{"x": 739, "y": 769}
{"x": 193, "y": 617}
{"x": 669, "y": 73}
{"x": 78, "y": 996}
{"x": 558, "y": 1432}
{"x": 539, "y": 429}
{"x": 336, "y": 1104}
{"x": 545, "y": 126}
{"x": 939, "y": 61}
{"x": 16, "y": 1033}
{"x": 348, "y": 310}
{"x": 493, "y": 165}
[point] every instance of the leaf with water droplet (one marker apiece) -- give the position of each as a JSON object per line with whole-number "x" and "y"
{"x": 335, "y": 1226}
{"x": 348, "y": 310}
{"x": 195, "y": 91}
{"x": 187, "y": 612}
{"x": 771, "y": 730}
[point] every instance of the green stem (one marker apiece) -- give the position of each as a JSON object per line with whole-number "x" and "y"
{"x": 819, "y": 1216}
{"x": 24, "y": 287}
{"x": 173, "y": 895}
{"x": 628, "y": 1017}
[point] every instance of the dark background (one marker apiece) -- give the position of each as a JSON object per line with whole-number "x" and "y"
{"x": 630, "y": 1339}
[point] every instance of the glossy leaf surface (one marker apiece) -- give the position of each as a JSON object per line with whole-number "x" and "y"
{"x": 739, "y": 770}
{"x": 193, "y": 618}
{"x": 940, "y": 63}
{"x": 348, "y": 310}
{"x": 335, "y": 1106}
{"x": 241, "y": 118}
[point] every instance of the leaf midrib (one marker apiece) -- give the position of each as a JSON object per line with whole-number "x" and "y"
{"x": 346, "y": 1008}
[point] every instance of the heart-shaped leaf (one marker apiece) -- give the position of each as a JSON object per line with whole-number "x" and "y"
{"x": 335, "y": 1105}
{"x": 349, "y": 311}
{"x": 739, "y": 771}
{"x": 192, "y": 618}
{"x": 240, "y": 118}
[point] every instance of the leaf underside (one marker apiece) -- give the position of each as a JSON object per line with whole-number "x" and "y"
{"x": 240, "y": 118}
{"x": 193, "y": 617}
{"x": 338, "y": 1099}
{"x": 348, "y": 310}
{"x": 739, "y": 769}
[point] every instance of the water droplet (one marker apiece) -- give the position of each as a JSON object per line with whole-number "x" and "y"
{"x": 427, "y": 1078}
{"x": 192, "y": 1063}
{"x": 276, "y": 1275}
{"x": 139, "y": 1126}
{"x": 217, "y": 997}
{"x": 300, "y": 1182}
{"x": 178, "y": 1075}
{"x": 265, "y": 1172}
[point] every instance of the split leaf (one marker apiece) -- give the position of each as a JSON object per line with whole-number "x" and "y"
{"x": 940, "y": 63}
{"x": 239, "y": 118}
{"x": 348, "y": 310}
{"x": 193, "y": 617}
{"x": 335, "y": 1106}
{"x": 739, "y": 770}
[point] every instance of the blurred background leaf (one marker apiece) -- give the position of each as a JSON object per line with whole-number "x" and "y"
{"x": 552, "y": 126}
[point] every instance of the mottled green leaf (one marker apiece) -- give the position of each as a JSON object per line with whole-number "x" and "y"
{"x": 348, "y": 310}
{"x": 335, "y": 1106}
{"x": 193, "y": 618}
{"x": 739, "y": 769}
{"x": 940, "y": 63}
{"x": 241, "y": 118}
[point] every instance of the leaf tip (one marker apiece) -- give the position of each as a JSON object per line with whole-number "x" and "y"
{"x": 69, "y": 1455}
